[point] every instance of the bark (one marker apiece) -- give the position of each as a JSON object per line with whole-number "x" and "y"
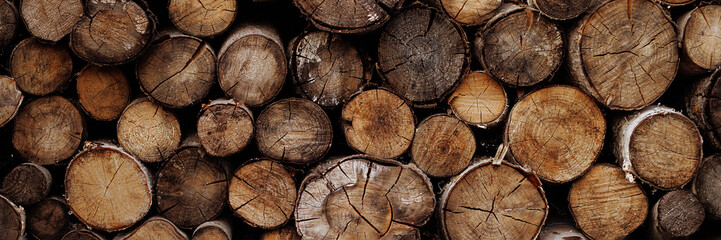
{"x": 442, "y": 146}
{"x": 9, "y": 22}
{"x": 12, "y": 221}
{"x": 49, "y": 219}
{"x": 82, "y": 234}
{"x": 344, "y": 16}
{"x": 224, "y": 127}
{"x": 214, "y": 230}
{"x": 479, "y": 100}
{"x": 148, "y": 131}
{"x": 706, "y": 185}
{"x": 103, "y": 92}
{"x": 561, "y": 231}
{"x": 262, "y": 192}
{"x": 470, "y": 13}
{"x": 703, "y": 106}
{"x": 678, "y": 214}
{"x": 287, "y": 233}
{"x": 557, "y": 131}
{"x": 563, "y": 9}
{"x": 27, "y": 184}
{"x": 51, "y": 20}
{"x": 154, "y": 228}
{"x": 202, "y": 18}
{"x": 699, "y": 40}
{"x": 40, "y": 68}
{"x": 10, "y": 99}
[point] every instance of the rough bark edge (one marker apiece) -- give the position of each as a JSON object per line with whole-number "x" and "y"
{"x": 20, "y": 102}
{"x": 390, "y": 11}
{"x": 20, "y": 211}
{"x": 222, "y": 224}
{"x": 290, "y": 171}
{"x": 501, "y": 119}
{"x": 125, "y": 235}
{"x": 696, "y": 106}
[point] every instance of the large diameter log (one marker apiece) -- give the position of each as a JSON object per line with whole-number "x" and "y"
{"x": 493, "y": 202}
{"x": 639, "y": 39}
{"x": 422, "y": 54}
{"x": 252, "y": 64}
{"x": 658, "y": 145}
{"x": 12, "y": 220}
{"x": 479, "y": 100}
{"x": 470, "y": 13}
{"x": 10, "y": 99}
{"x": 703, "y": 106}
{"x": 379, "y": 123}
{"x": 287, "y": 233}
{"x": 40, "y": 68}
{"x": 154, "y": 228}
{"x": 706, "y": 185}
{"x": 263, "y": 193}
{"x": 51, "y": 20}
{"x": 557, "y": 131}
{"x": 49, "y": 219}
{"x": 148, "y": 131}
{"x": 102, "y": 179}
{"x": 605, "y": 205}
{"x": 9, "y": 22}
{"x": 213, "y": 230}
{"x": 699, "y": 39}
{"x": 202, "y": 18}
{"x": 442, "y": 146}
{"x": 82, "y": 234}
{"x": 677, "y": 215}
{"x": 103, "y": 92}
{"x": 224, "y": 127}
{"x": 27, "y": 184}
{"x": 48, "y": 130}
{"x": 563, "y": 9}
{"x": 361, "y": 197}
{"x": 345, "y": 16}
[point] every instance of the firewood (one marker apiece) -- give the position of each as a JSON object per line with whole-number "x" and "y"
{"x": 624, "y": 53}
{"x": 563, "y": 9}
{"x": 698, "y": 39}
{"x": 82, "y": 234}
{"x": 263, "y": 193}
{"x": 9, "y": 22}
{"x": 561, "y": 231}
{"x": 48, "y": 219}
{"x": 361, "y": 197}
{"x": 422, "y": 54}
{"x": 224, "y": 127}
{"x": 676, "y": 2}
{"x": 213, "y": 230}
{"x": 10, "y": 99}
{"x": 40, "y": 68}
{"x": 148, "y": 131}
{"x": 706, "y": 185}
{"x": 442, "y": 146}
{"x": 702, "y": 106}
{"x": 48, "y": 130}
{"x": 519, "y": 46}
{"x": 379, "y": 123}
{"x": 102, "y": 179}
{"x": 103, "y": 92}
{"x": 479, "y": 100}
{"x": 12, "y": 220}
{"x": 177, "y": 70}
{"x": 659, "y": 146}
{"x": 470, "y": 13}
{"x": 557, "y": 131}
{"x": 51, "y": 20}
{"x": 286, "y": 233}
{"x": 154, "y": 228}
{"x": 348, "y": 16}
{"x": 202, "y": 18}
{"x": 678, "y": 214}
{"x": 27, "y": 184}
{"x": 605, "y": 205}
{"x": 252, "y": 64}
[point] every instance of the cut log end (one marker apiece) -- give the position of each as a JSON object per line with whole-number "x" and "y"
{"x": 202, "y": 18}
{"x": 286, "y": 233}
{"x": 698, "y": 40}
{"x": 561, "y": 231}
{"x": 27, "y": 184}
{"x": 443, "y": 146}
{"x": 49, "y": 19}
{"x": 10, "y": 99}
{"x": 479, "y": 100}
{"x": 562, "y": 9}
{"x": 703, "y": 106}
{"x": 49, "y": 219}
{"x": 154, "y": 228}
{"x": 674, "y": 3}
{"x": 678, "y": 214}
{"x": 225, "y": 127}
{"x": 12, "y": 220}
{"x": 348, "y": 17}
{"x": 103, "y": 92}
{"x": 82, "y": 234}
{"x": 470, "y": 13}
{"x": 213, "y": 230}
{"x": 706, "y": 185}
{"x": 8, "y": 22}
{"x": 263, "y": 193}
{"x": 40, "y": 68}
{"x": 148, "y": 131}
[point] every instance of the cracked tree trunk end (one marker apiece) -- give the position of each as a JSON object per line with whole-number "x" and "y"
{"x": 48, "y": 130}
{"x": 479, "y": 100}
{"x": 27, "y": 184}
{"x": 558, "y": 132}
{"x": 154, "y": 228}
{"x": 519, "y": 46}
{"x": 443, "y": 146}
{"x": 51, "y": 20}
{"x": 362, "y": 197}
{"x": 214, "y": 230}
{"x": 10, "y": 99}
{"x": 563, "y": 9}
{"x": 326, "y": 68}
{"x": 492, "y": 202}
{"x": 148, "y": 131}
{"x": 252, "y": 64}
{"x": 12, "y": 220}
{"x": 9, "y": 21}
{"x": 191, "y": 188}
{"x": 49, "y": 218}
{"x": 262, "y": 192}
{"x": 674, "y": 3}
{"x": 605, "y": 205}
{"x": 40, "y": 68}
{"x": 103, "y": 178}
{"x": 677, "y": 215}
{"x": 340, "y": 16}
{"x": 224, "y": 127}
{"x": 561, "y": 231}
{"x": 658, "y": 145}
{"x": 82, "y": 234}
{"x": 422, "y": 55}
{"x": 103, "y": 92}
{"x": 287, "y": 233}
{"x": 293, "y": 130}
{"x": 202, "y": 18}
{"x": 639, "y": 38}
{"x": 470, "y": 13}
{"x": 699, "y": 39}
{"x": 706, "y": 185}
{"x": 703, "y": 106}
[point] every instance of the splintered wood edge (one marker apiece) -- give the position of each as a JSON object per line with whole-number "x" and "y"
{"x": 20, "y": 211}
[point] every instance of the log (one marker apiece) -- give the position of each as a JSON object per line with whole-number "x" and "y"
{"x": 342, "y": 16}
{"x": 443, "y": 146}
{"x": 658, "y": 145}
{"x": 326, "y": 68}
{"x": 252, "y": 64}
{"x": 10, "y": 99}
{"x": 639, "y": 37}
{"x": 563, "y": 9}
{"x": 293, "y": 130}
{"x": 509, "y": 193}
{"x": 422, "y": 54}
{"x": 27, "y": 184}
{"x": 12, "y": 221}
{"x": 191, "y": 188}
{"x": 519, "y": 46}
{"x": 224, "y": 127}
{"x": 677, "y": 215}
{"x": 470, "y": 13}
{"x": 177, "y": 70}
{"x": 154, "y": 228}
{"x": 49, "y": 218}
{"x": 103, "y": 92}
{"x": 102, "y": 178}
{"x": 702, "y": 104}
{"x": 202, "y": 18}
{"x": 379, "y": 123}
{"x": 605, "y": 205}
{"x": 332, "y": 201}
{"x": 148, "y": 131}
{"x": 479, "y": 100}
{"x": 557, "y": 132}
{"x": 213, "y": 230}
{"x": 706, "y": 185}
{"x": 699, "y": 40}
{"x": 40, "y": 68}
{"x": 675, "y": 2}
{"x": 82, "y": 234}
{"x": 48, "y": 130}
{"x": 561, "y": 231}
{"x": 262, "y": 192}
{"x": 51, "y": 20}
{"x": 112, "y": 32}
{"x": 287, "y": 233}
{"x": 8, "y": 22}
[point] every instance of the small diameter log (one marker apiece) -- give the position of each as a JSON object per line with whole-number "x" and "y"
{"x": 51, "y": 20}
{"x": 27, "y": 184}
{"x": 213, "y": 230}
{"x": 82, "y": 234}
{"x": 442, "y": 146}
{"x": 675, "y": 2}
{"x": 293, "y": 130}
{"x": 706, "y": 185}
{"x": 699, "y": 39}
{"x": 703, "y": 106}
{"x": 224, "y": 127}
{"x": 177, "y": 70}
{"x": 148, "y": 131}
{"x": 102, "y": 178}
{"x": 658, "y": 145}
{"x": 563, "y": 9}
{"x": 379, "y": 123}
{"x": 40, "y": 68}
{"x": 422, "y": 54}
{"x": 361, "y": 197}
{"x": 470, "y": 13}
{"x": 561, "y": 231}
{"x": 287, "y": 233}
{"x": 12, "y": 220}
{"x": 9, "y": 22}
{"x": 154, "y": 228}
{"x": 678, "y": 214}
{"x": 326, "y": 68}
{"x": 10, "y": 99}
{"x": 342, "y": 16}
{"x": 557, "y": 131}
{"x": 49, "y": 219}
{"x": 479, "y": 100}
{"x": 48, "y": 130}
{"x": 191, "y": 188}
{"x": 605, "y": 205}
{"x": 519, "y": 46}
{"x": 489, "y": 201}
{"x": 624, "y": 53}
{"x": 202, "y": 18}
{"x": 263, "y": 193}
{"x": 112, "y": 32}
{"x": 252, "y": 64}
{"x": 103, "y": 92}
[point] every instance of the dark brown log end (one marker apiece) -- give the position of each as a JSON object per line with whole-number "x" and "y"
{"x": 12, "y": 220}
{"x": 707, "y": 183}
{"x": 263, "y": 193}
{"x": 82, "y": 234}
{"x": 202, "y": 18}
{"x": 225, "y": 127}
{"x": 9, "y": 22}
{"x": 49, "y": 219}
{"x": 678, "y": 214}
{"x": 103, "y": 92}
{"x": 27, "y": 184}
{"x": 562, "y": 9}
{"x": 148, "y": 131}
{"x": 40, "y": 68}
{"x": 10, "y": 99}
